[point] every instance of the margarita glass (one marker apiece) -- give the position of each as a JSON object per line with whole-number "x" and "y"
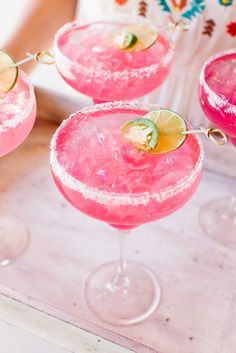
{"x": 107, "y": 178}
{"x": 17, "y": 116}
{"x": 217, "y": 92}
{"x": 89, "y": 60}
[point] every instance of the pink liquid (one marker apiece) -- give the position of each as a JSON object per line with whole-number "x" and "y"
{"x": 98, "y": 69}
{"x": 91, "y": 149}
{"x": 17, "y": 115}
{"x": 218, "y": 92}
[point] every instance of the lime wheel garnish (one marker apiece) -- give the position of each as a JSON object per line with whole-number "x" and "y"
{"x": 136, "y": 37}
{"x": 160, "y": 131}
{"x": 171, "y": 127}
{"x": 8, "y": 72}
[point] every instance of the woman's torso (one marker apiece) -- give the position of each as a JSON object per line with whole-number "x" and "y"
{"x": 212, "y": 28}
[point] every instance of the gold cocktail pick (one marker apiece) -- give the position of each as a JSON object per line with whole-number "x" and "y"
{"x": 215, "y": 135}
{"x": 42, "y": 57}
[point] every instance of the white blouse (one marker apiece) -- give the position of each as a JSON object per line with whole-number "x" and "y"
{"x": 212, "y": 28}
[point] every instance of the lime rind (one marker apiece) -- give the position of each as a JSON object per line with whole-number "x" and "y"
{"x": 171, "y": 127}
{"x": 8, "y": 72}
{"x": 126, "y": 40}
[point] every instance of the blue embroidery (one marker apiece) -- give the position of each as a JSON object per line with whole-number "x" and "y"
{"x": 190, "y": 10}
{"x": 197, "y": 7}
{"x": 164, "y": 5}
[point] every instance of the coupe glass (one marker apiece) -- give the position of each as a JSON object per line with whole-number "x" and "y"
{"x": 105, "y": 177}
{"x": 88, "y": 60}
{"x": 217, "y": 93}
{"x": 17, "y": 116}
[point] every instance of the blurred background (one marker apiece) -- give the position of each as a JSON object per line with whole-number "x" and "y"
{"x": 11, "y": 14}
{"x": 12, "y": 339}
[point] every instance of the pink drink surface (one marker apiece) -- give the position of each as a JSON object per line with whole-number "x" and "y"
{"x": 17, "y": 115}
{"x": 100, "y": 70}
{"x": 91, "y": 149}
{"x": 218, "y": 94}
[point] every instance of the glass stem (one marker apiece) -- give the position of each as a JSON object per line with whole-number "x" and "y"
{"x": 122, "y": 261}
{"x": 121, "y": 280}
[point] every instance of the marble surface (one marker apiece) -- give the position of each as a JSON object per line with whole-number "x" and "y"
{"x": 197, "y": 313}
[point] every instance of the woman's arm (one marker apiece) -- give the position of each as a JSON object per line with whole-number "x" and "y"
{"x": 42, "y": 19}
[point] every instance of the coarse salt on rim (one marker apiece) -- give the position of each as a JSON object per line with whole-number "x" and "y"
{"x": 213, "y": 97}
{"x": 145, "y": 71}
{"x": 116, "y": 199}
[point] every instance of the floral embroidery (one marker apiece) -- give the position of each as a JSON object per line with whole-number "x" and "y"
{"x": 231, "y": 29}
{"x": 142, "y": 8}
{"x": 209, "y": 27}
{"x": 197, "y": 7}
{"x": 226, "y": 2}
{"x": 164, "y": 5}
{"x": 185, "y": 8}
{"x": 121, "y": 2}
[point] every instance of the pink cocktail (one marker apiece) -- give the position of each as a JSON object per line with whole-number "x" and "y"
{"x": 17, "y": 116}
{"x": 106, "y": 177}
{"x": 89, "y": 61}
{"x": 217, "y": 92}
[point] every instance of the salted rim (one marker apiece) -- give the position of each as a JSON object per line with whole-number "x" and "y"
{"x": 229, "y": 108}
{"x": 21, "y": 116}
{"x": 91, "y": 71}
{"x": 106, "y": 197}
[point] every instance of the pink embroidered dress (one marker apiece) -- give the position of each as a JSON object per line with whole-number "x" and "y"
{"x": 213, "y": 28}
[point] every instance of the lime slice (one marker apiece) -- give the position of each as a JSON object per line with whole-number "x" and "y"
{"x": 136, "y": 37}
{"x": 8, "y": 73}
{"x": 142, "y": 133}
{"x": 146, "y": 34}
{"x": 125, "y": 40}
{"x": 170, "y": 127}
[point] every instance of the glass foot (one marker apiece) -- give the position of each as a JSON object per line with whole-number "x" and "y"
{"x": 14, "y": 239}
{"x": 219, "y": 222}
{"x": 122, "y": 300}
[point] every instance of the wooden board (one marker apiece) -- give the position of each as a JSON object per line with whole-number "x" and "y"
{"x": 43, "y": 290}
